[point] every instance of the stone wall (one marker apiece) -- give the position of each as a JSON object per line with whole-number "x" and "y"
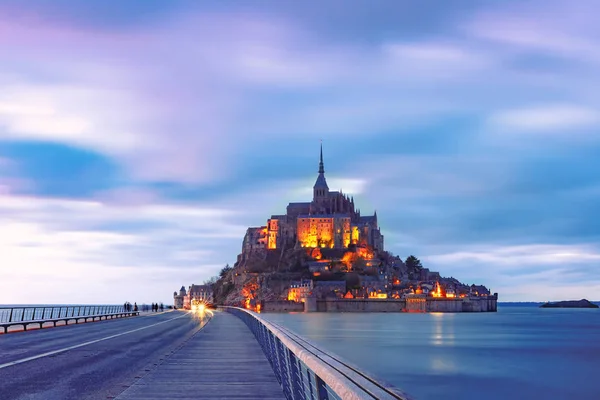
{"x": 414, "y": 304}
{"x": 282, "y": 306}
{"x": 361, "y": 305}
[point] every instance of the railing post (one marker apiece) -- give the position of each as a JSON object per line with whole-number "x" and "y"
{"x": 310, "y": 383}
{"x": 10, "y": 316}
{"x": 23, "y": 315}
{"x": 321, "y": 389}
{"x": 283, "y": 366}
{"x": 295, "y": 376}
{"x": 274, "y": 358}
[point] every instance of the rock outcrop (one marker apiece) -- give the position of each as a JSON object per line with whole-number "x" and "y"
{"x": 583, "y": 303}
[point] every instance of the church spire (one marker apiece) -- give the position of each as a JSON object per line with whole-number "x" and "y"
{"x": 321, "y": 190}
{"x": 321, "y": 167}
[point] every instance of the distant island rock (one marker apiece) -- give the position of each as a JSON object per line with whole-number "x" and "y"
{"x": 583, "y": 303}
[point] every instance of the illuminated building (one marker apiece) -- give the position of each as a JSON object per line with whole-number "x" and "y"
{"x": 203, "y": 293}
{"x": 376, "y": 295}
{"x": 330, "y": 220}
{"x": 300, "y": 290}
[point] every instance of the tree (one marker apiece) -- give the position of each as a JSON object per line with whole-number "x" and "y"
{"x": 211, "y": 281}
{"x": 413, "y": 263}
{"x": 226, "y": 269}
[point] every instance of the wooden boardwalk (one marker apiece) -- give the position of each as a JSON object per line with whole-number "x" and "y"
{"x": 222, "y": 361}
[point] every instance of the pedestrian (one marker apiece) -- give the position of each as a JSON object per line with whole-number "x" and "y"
{"x": 135, "y": 308}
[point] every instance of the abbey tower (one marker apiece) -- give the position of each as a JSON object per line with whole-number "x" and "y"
{"x": 329, "y": 220}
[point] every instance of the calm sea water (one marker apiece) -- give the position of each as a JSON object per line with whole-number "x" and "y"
{"x": 516, "y": 353}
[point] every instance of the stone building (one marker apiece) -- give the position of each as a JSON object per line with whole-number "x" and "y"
{"x": 300, "y": 290}
{"x": 329, "y": 220}
{"x": 201, "y": 292}
{"x": 178, "y": 298}
{"x": 184, "y": 299}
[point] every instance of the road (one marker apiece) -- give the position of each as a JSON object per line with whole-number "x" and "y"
{"x": 96, "y": 360}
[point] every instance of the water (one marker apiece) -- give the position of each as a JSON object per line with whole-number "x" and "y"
{"x": 516, "y": 353}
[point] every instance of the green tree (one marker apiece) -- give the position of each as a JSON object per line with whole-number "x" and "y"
{"x": 226, "y": 269}
{"x": 413, "y": 263}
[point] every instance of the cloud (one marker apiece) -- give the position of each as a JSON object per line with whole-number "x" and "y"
{"x": 116, "y": 99}
{"x": 538, "y": 272}
{"x": 59, "y": 113}
{"x": 518, "y": 256}
{"x": 553, "y": 118}
{"x": 61, "y": 241}
{"x": 535, "y": 26}
{"x": 175, "y": 128}
{"x": 406, "y": 177}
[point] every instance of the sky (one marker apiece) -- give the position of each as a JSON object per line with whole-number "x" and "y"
{"x": 139, "y": 139}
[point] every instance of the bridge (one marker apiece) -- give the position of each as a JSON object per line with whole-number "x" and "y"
{"x": 225, "y": 353}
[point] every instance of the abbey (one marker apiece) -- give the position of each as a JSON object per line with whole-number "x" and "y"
{"x": 329, "y": 220}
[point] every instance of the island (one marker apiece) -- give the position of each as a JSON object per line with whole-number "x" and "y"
{"x": 326, "y": 255}
{"x": 583, "y": 303}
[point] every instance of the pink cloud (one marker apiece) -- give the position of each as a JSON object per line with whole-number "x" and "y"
{"x": 179, "y": 100}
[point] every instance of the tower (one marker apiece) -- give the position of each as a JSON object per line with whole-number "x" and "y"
{"x": 320, "y": 189}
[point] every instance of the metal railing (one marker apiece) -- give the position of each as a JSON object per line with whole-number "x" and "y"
{"x": 10, "y": 316}
{"x": 307, "y": 372}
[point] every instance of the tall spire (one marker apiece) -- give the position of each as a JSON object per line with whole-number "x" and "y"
{"x": 321, "y": 167}
{"x": 321, "y": 183}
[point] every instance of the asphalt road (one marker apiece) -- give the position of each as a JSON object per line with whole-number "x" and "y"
{"x": 89, "y": 361}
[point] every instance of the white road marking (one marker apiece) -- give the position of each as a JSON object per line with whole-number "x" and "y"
{"x": 9, "y": 364}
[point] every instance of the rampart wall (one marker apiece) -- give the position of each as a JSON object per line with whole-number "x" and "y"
{"x": 412, "y": 304}
{"x": 282, "y": 306}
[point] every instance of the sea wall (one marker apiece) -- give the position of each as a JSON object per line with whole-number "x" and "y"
{"x": 282, "y": 306}
{"x": 413, "y": 304}
{"x": 361, "y": 305}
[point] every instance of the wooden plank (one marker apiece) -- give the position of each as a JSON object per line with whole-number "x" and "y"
{"x": 223, "y": 360}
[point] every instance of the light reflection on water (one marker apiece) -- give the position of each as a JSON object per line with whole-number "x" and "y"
{"x": 517, "y": 353}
